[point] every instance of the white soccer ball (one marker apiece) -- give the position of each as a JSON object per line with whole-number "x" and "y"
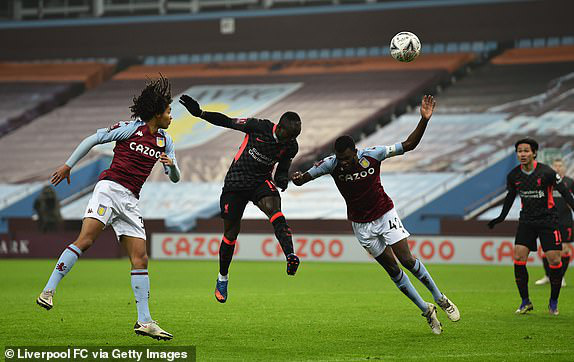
{"x": 405, "y": 46}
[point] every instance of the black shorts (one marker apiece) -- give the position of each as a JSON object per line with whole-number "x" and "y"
{"x": 233, "y": 203}
{"x": 566, "y": 232}
{"x": 550, "y": 238}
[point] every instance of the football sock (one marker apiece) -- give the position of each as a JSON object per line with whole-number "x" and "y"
{"x": 222, "y": 278}
{"x": 404, "y": 284}
{"x": 63, "y": 266}
{"x": 282, "y": 232}
{"x": 226, "y": 250}
{"x": 555, "y": 280}
{"x": 140, "y": 286}
{"x": 423, "y": 275}
{"x": 565, "y": 263}
{"x": 521, "y": 277}
{"x": 546, "y": 265}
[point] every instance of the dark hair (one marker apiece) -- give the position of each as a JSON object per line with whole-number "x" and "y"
{"x": 153, "y": 100}
{"x": 529, "y": 141}
{"x": 289, "y": 118}
{"x": 344, "y": 143}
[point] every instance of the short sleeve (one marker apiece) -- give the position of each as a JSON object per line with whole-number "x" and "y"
{"x": 117, "y": 132}
{"x": 382, "y": 152}
{"x": 323, "y": 167}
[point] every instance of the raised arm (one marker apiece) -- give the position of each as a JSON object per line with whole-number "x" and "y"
{"x": 427, "y": 106}
{"x": 215, "y": 118}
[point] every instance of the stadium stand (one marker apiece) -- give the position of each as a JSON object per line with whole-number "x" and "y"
{"x": 333, "y": 97}
{"x": 28, "y": 90}
{"x": 20, "y": 103}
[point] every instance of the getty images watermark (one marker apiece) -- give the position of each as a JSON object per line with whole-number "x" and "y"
{"x": 159, "y": 353}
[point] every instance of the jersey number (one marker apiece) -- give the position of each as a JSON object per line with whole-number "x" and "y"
{"x": 396, "y": 224}
{"x": 558, "y": 237}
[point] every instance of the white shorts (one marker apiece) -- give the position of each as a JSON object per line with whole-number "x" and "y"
{"x": 377, "y": 234}
{"x": 115, "y": 205}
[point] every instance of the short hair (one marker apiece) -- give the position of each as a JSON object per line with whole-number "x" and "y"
{"x": 529, "y": 141}
{"x": 344, "y": 143}
{"x": 289, "y": 118}
{"x": 153, "y": 100}
{"x": 558, "y": 159}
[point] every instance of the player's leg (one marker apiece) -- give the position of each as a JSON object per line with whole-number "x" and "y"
{"x": 545, "y": 279}
{"x": 388, "y": 262}
{"x": 232, "y": 207}
{"x": 268, "y": 200}
{"x": 524, "y": 243}
{"x": 91, "y": 229}
{"x": 368, "y": 238}
{"x": 145, "y": 325}
{"x": 551, "y": 241}
{"x": 390, "y": 228}
{"x": 566, "y": 232}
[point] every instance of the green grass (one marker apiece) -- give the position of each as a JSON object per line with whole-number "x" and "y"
{"x": 327, "y": 312}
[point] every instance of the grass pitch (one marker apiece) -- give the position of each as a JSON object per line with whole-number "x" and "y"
{"x": 327, "y": 312}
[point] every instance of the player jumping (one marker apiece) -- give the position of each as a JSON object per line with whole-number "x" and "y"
{"x": 375, "y": 222}
{"x": 534, "y": 182}
{"x": 139, "y": 144}
{"x": 564, "y": 223}
{"x": 249, "y": 179}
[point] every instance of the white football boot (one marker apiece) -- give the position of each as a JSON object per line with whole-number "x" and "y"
{"x": 542, "y": 281}
{"x": 449, "y": 308}
{"x": 45, "y": 299}
{"x": 151, "y": 329}
{"x": 432, "y": 319}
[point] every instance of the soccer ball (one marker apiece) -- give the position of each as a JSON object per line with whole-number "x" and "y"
{"x": 405, "y": 46}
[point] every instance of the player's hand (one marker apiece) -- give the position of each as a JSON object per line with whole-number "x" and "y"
{"x": 427, "y": 107}
{"x": 297, "y": 178}
{"x": 63, "y": 172}
{"x": 282, "y": 183}
{"x": 191, "y": 105}
{"x": 165, "y": 160}
{"x": 493, "y": 222}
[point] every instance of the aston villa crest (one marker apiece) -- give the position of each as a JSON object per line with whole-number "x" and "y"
{"x": 364, "y": 162}
{"x": 160, "y": 141}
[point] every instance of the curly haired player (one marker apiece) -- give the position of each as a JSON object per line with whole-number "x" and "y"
{"x": 139, "y": 145}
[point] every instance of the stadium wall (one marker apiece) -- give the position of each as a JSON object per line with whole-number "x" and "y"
{"x": 278, "y": 29}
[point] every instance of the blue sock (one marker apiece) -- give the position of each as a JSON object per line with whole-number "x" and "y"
{"x": 423, "y": 275}
{"x": 140, "y": 286}
{"x": 63, "y": 266}
{"x": 404, "y": 284}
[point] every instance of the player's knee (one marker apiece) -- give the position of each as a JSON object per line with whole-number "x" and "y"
{"x": 139, "y": 261}
{"x": 84, "y": 242}
{"x": 408, "y": 262}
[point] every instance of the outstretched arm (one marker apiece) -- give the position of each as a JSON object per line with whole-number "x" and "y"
{"x": 320, "y": 168}
{"x": 299, "y": 178}
{"x": 63, "y": 172}
{"x": 215, "y": 118}
{"x": 427, "y": 106}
